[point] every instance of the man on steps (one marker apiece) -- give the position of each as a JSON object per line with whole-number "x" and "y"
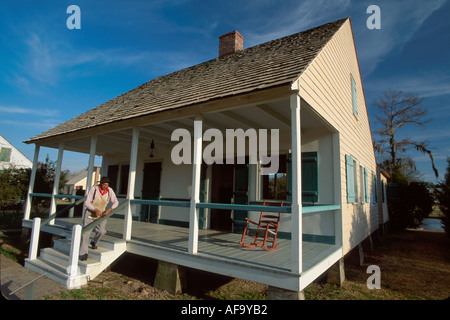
{"x": 96, "y": 201}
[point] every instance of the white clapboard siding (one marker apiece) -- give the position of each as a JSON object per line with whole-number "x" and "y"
{"x": 326, "y": 87}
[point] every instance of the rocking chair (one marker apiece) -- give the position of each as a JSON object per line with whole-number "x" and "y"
{"x": 263, "y": 232}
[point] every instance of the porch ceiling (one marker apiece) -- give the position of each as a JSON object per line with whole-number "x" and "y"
{"x": 267, "y": 115}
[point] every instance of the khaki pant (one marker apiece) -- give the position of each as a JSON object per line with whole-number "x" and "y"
{"x": 99, "y": 230}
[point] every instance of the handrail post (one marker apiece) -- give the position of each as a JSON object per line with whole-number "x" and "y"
{"x": 36, "y": 228}
{"x": 72, "y": 201}
{"x": 72, "y": 269}
{"x": 74, "y": 251}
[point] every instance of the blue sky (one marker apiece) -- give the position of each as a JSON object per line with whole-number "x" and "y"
{"x": 50, "y": 74}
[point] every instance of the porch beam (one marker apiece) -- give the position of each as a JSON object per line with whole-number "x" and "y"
{"x": 238, "y": 118}
{"x": 27, "y": 210}
{"x": 296, "y": 209}
{"x": 158, "y": 132}
{"x": 56, "y": 182}
{"x": 265, "y": 108}
{"x": 195, "y": 197}
{"x": 131, "y": 183}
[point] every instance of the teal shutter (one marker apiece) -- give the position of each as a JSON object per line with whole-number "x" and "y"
{"x": 375, "y": 183}
{"x": 289, "y": 178}
{"x": 350, "y": 179}
{"x": 310, "y": 177}
{"x": 354, "y": 102}
{"x": 366, "y": 186}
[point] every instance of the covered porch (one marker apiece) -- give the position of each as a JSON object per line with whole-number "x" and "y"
{"x": 191, "y": 214}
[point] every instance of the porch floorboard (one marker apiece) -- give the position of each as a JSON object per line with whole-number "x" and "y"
{"x": 214, "y": 243}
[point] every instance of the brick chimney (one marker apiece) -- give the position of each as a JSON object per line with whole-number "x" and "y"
{"x": 230, "y": 43}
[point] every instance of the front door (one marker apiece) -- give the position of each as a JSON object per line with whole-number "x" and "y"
{"x": 229, "y": 184}
{"x": 240, "y": 196}
{"x": 221, "y": 192}
{"x": 151, "y": 190}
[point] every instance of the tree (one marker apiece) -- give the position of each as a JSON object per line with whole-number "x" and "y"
{"x": 397, "y": 110}
{"x": 45, "y": 175}
{"x": 413, "y": 203}
{"x": 11, "y": 192}
{"x": 443, "y": 197}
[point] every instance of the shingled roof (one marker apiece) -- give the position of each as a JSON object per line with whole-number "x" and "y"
{"x": 274, "y": 63}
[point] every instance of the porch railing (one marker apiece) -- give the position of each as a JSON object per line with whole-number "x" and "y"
{"x": 78, "y": 231}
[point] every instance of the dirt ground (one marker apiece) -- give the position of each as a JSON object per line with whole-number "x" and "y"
{"x": 414, "y": 265}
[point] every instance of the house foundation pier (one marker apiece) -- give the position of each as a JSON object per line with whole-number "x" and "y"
{"x": 275, "y": 293}
{"x": 170, "y": 277}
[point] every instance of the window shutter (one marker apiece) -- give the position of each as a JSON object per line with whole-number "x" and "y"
{"x": 310, "y": 177}
{"x": 350, "y": 179}
{"x": 289, "y": 178}
{"x": 366, "y": 186}
{"x": 375, "y": 183}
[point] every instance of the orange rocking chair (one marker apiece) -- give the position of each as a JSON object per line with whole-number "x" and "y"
{"x": 263, "y": 232}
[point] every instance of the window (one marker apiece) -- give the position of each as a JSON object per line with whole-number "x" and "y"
{"x": 352, "y": 182}
{"x": 354, "y": 101}
{"x": 279, "y": 186}
{"x": 119, "y": 178}
{"x": 5, "y": 154}
{"x": 275, "y": 186}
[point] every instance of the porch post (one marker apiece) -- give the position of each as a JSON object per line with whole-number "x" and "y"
{"x": 27, "y": 210}
{"x": 90, "y": 169}
{"x": 296, "y": 209}
{"x": 337, "y": 188}
{"x": 131, "y": 183}
{"x": 195, "y": 197}
{"x": 56, "y": 182}
{"x": 91, "y": 163}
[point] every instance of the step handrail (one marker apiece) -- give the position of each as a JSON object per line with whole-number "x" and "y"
{"x": 66, "y": 208}
{"x": 95, "y": 223}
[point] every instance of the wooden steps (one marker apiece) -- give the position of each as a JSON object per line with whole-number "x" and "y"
{"x": 54, "y": 261}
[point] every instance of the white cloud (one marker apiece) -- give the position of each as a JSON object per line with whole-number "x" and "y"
{"x": 295, "y": 16}
{"x": 29, "y": 111}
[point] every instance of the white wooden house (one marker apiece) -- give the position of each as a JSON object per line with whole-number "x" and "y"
{"x": 11, "y": 157}
{"x": 308, "y": 87}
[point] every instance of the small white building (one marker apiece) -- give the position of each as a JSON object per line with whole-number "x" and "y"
{"x": 11, "y": 157}
{"x": 77, "y": 181}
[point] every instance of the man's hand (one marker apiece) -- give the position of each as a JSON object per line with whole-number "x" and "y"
{"x": 98, "y": 213}
{"x": 107, "y": 212}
